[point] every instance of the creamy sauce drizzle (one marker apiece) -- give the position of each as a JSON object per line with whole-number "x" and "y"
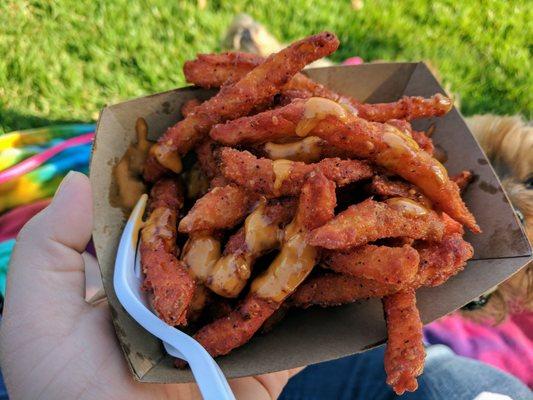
{"x": 398, "y": 140}
{"x": 201, "y": 253}
{"x": 307, "y": 150}
{"x": 282, "y": 169}
{"x": 158, "y": 226}
{"x": 128, "y": 171}
{"x": 439, "y": 172}
{"x": 407, "y": 206}
{"x": 230, "y": 274}
{"x": 232, "y": 271}
{"x": 259, "y": 231}
{"x": 317, "y": 109}
{"x": 292, "y": 265}
{"x": 402, "y": 146}
{"x": 168, "y": 158}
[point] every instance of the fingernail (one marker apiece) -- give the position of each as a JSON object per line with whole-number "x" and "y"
{"x": 63, "y": 186}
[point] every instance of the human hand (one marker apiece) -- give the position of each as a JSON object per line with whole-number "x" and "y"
{"x": 54, "y": 345}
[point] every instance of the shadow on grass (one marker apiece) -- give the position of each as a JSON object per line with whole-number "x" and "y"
{"x": 13, "y": 121}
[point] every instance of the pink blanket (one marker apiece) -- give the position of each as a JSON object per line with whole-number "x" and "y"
{"x": 508, "y": 346}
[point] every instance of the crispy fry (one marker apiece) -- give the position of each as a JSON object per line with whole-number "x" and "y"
{"x": 440, "y": 261}
{"x": 238, "y": 99}
{"x": 269, "y": 126}
{"x": 188, "y": 107}
{"x": 262, "y": 232}
{"x": 463, "y": 179}
{"x": 219, "y": 181}
{"x": 220, "y": 208}
{"x": 382, "y": 143}
{"x": 404, "y": 355}
{"x": 294, "y": 262}
{"x": 165, "y": 276}
{"x": 371, "y": 220}
{"x": 423, "y": 140}
{"x": 213, "y": 70}
{"x": 386, "y": 188}
{"x": 391, "y": 265}
{"x": 205, "y": 153}
{"x": 408, "y": 107}
{"x": 308, "y": 150}
{"x": 235, "y": 329}
{"x": 332, "y": 289}
{"x": 285, "y": 177}
{"x": 451, "y": 226}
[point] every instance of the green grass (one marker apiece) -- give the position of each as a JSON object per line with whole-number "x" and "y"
{"x": 63, "y": 62}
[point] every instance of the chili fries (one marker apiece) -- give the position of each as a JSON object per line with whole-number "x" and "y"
{"x": 259, "y": 216}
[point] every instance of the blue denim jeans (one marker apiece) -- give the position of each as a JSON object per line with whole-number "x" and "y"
{"x": 447, "y": 376}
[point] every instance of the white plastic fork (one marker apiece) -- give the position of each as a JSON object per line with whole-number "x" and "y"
{"x": 127, "y": 281}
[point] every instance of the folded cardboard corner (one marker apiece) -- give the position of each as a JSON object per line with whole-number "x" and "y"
{"x": 313, "y": 335}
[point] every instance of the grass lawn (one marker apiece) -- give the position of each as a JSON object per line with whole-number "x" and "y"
{"x": 64, "y": 61}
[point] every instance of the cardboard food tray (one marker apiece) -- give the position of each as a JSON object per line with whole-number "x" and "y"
{"x": 316, "y": 334}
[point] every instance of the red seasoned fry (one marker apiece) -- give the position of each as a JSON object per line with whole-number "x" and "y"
{"x": 404, "y": 355}
{"x": 371, "y": 220}
{"x": 165, "y": 276}
{"x": 292, "y": 265}
{"x": 213, "y": 70}
{"x": 408, "y": 107}
{"x": 269, "y": 126}
{"x": 220, "y": 208}
{"x": 423, "y": 140}
{"x": 308, "y": 150}
{"x": 188, "y": 107}
{"x": 332, "y": 289}
{"x": 205, "y": 153}
{"x": 238, "y": 99}
{"x": 285, "y": 177}
{"x": 440, "y": 261}
{"x": 463, "y": 179}
{"x": 381, "y": 143}
{"x": 391, "y": 265}
{"x": 262, "y": 232}
{"x": 232, "y": 331}
{"x": 386, "y": 188}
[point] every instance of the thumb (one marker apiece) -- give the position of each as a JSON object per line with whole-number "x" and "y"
{"x": 46, "y": 263}
{"x": 68, "y": 219}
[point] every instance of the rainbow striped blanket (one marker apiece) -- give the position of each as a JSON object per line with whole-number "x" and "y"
{"x": 32, "y": 164}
